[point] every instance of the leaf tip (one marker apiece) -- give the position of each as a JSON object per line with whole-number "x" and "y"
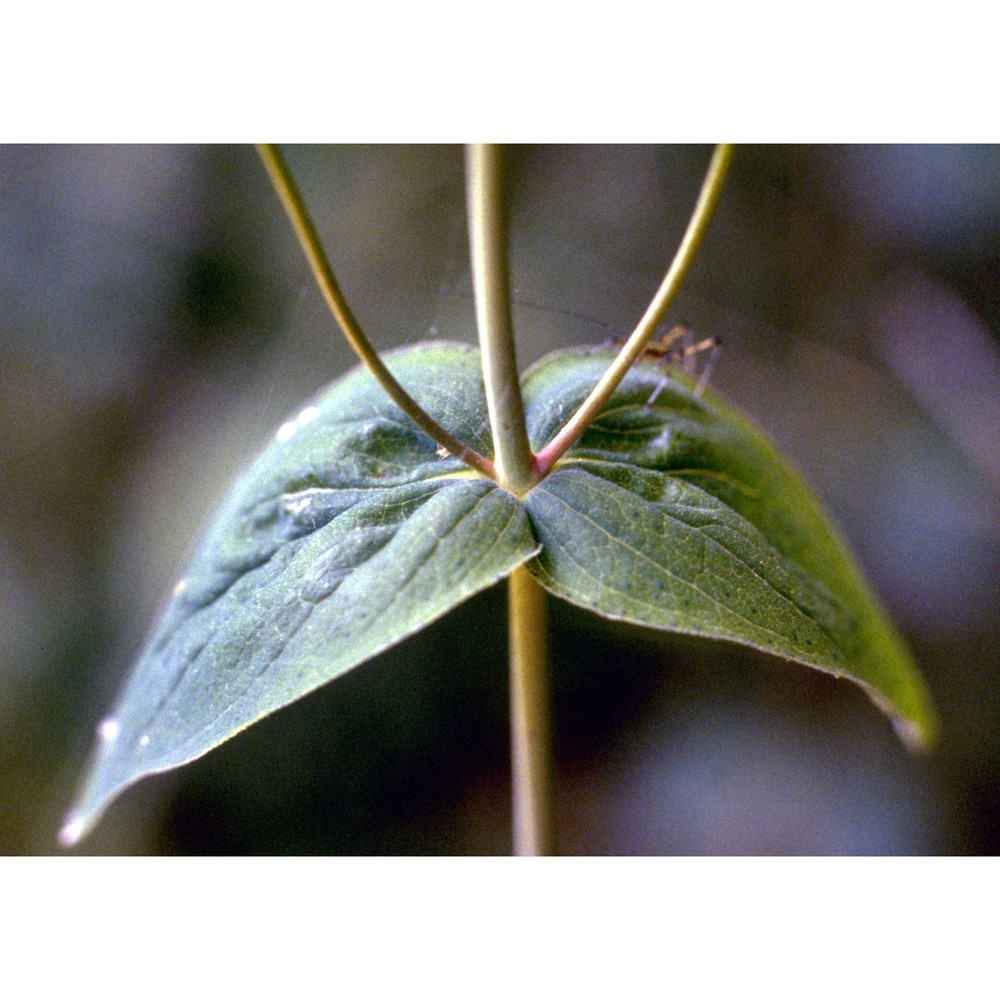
{"x": 918, "y": 729}
{"x": 73, "y": 830}
{"x": 918, "y": 737}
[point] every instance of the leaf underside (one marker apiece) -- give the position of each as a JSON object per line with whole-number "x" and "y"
{"x": 683, "y": 516}
{"x": 348, "y": 534}
{"x": 351, "y": 532}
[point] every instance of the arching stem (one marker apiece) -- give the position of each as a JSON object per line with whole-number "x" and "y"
{"x": 652, "y": 318}
{"x": 288, "y": 191}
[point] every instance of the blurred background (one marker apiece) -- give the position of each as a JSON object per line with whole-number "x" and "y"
{"x": 159, "y": 322}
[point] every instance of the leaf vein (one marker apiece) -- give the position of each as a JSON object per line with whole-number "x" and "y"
{"x": 684, "y": 582}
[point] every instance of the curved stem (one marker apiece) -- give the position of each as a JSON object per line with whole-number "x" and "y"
{"x": 488, "y": 247}
{"x": 287, "y": 190}
{"x": 679, "y": 267}
{"x": 531, "y": 740}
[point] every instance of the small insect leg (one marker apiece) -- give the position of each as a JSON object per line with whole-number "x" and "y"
{"x": 660, "y": 386}
{"x": 714, "y": 350}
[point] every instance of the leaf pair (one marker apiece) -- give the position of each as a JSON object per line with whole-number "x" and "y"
{"x": 352, "y": 531}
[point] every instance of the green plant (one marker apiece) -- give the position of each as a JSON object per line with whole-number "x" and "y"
{"x": 592, "y": 476}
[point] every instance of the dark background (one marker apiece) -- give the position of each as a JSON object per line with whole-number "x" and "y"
{"x": 159, "y": 322}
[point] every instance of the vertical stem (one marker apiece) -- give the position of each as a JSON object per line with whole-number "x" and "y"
{"x": 531, "y": 741}
{"x": 531, "y": 755}
{"x": 488, "y": 245}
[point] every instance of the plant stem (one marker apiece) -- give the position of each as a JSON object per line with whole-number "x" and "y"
{"x": 676, "y": 273}
{"x": 287, "y": 190}
{"x": 488, "y": 246}
{"x": 531, "y": 756}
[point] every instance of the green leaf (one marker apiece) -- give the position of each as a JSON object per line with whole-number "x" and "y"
{"x": 348, "y": 534}
{"x": 682, "y": 516}
{"x": 351, "y": 532}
